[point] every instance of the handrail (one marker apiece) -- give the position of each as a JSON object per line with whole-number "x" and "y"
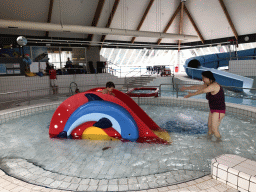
{"x": 177, "y": 84}
{"x": 131, "y": 71}
{"x": 139, "y": 76}
{"x": 125, "y": 79}
{"x": 29, "y": 95}
{"x": 118, "y": 84}
{"x": 112, "y": 63}
{"x": 51, "y": 88}
{"x": 24, "y": 91}
{"x": 221, "y": 86}
{"x": 116, "y": 66}
{"x": 44, "y": 96}
{"x": 133, "y": 77}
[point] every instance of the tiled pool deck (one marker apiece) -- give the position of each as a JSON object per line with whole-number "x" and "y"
{"x": 34, "y": 178}
{"x": 207, "y": 184}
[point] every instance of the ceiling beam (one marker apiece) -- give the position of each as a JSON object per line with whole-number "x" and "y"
{"x": 49, "y": 16}
{"x": 96, "y": 17}
{"x": 143, "y": 18}
{"x": 110, "y": 18}
{"x": 181, "y": 22}
{"x": 194, "y": 24}
{"x": 228, "y": 18}
{"x": 170, "y": 22}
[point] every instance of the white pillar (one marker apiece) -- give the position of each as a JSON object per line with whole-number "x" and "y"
{"x": 202, "y": 51}
{"x": 152, "y": 51}
{"x": 196, "y": 52}
{"x": 124, "y": 56}
{"x": 152, "y": 62}
{"x": 225, "y": 49}
{"x": 137, "y": 57}
{"x": 143, "y": 57}
{"x": 209, "y": 50}
{"x": 130, "y": 57}
{"x": 103, "y": 52}
{"x": 217, "y": 50}
{"x": 110, "y": 54}
{"x": 117, "y": 56}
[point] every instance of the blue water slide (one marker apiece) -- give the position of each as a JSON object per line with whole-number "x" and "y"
{"x": 196, "y": 65}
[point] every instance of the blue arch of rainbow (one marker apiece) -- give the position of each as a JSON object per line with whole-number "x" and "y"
{"x": 121, "y": 119}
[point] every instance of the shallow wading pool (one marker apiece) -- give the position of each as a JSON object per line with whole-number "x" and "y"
{"x": 188, "y": 157}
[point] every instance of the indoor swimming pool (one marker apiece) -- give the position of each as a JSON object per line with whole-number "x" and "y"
{"x": 187, "y": 158}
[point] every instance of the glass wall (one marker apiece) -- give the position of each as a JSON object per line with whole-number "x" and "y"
{"x": 138, "y": 57}
{"x": 59, "y": 56}
{"x": 151, "y": 57}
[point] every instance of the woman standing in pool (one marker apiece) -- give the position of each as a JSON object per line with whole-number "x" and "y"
{"x": 216, "y": 98}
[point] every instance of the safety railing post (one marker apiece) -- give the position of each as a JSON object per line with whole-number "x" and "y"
{"x": 160, "y": 86}
{"x": 28, "y": 95}
{"x": 177, "y": 91}
{"x": 173, "y": 82}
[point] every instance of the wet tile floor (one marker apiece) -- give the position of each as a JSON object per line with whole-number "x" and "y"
{"x": 11, "y": 184}
{"x": 29, "y": 174}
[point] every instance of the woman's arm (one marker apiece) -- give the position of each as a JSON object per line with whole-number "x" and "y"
{"x": 193, "y": 87}
{"x": 208, "y": 89}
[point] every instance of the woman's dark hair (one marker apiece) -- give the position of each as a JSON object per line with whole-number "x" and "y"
{"x": 209, "y": 75}
{"x": 110, "y": 84}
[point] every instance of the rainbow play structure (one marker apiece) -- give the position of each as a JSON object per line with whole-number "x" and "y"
{"x": 97, "y": 116}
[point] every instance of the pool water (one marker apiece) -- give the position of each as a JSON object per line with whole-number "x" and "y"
{"x": 143, "y": 91}
{"x": 27, "y": 138}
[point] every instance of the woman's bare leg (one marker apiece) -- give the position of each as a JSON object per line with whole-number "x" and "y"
{"x": 210, "y": 132}
{"x": 216, "y": 119}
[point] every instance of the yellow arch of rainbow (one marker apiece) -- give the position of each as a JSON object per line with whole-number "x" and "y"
{"x": 95, "y": 133}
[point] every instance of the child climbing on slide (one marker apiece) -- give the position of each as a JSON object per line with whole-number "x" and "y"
{"x": 109, "y": 88}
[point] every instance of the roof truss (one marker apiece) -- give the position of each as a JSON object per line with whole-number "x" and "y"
{"x": 110, "y": 18}
{"x": 228, "y": 18}
{"x": 170, "y": 22}
{"x": 49, "y": 16}
{"x": 143, "y": 17}
{"x": 194, "y": 24}
{"x": 96, "y": 16}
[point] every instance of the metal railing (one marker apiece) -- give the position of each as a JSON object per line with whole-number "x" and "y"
{"x": 176, "y": 89}
{"x": 239, "y": 57}
{"x": 37, "y": 94}
{"x": 127, "y": 80}
{"x": 125, "y": 77}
